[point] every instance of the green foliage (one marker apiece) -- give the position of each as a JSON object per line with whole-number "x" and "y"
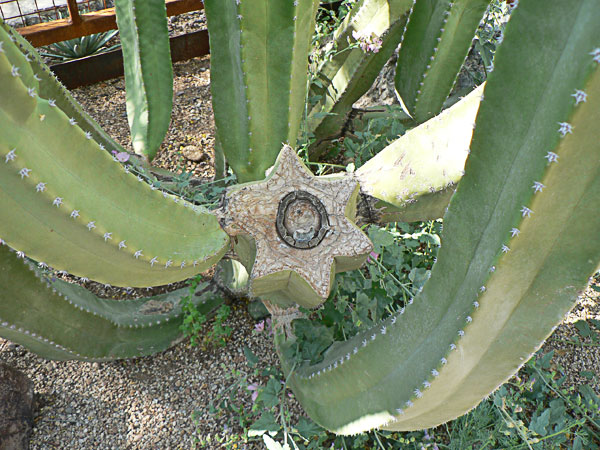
{"x": 396, "y": 270}
{"x": 490, "y": 35}
{"x": 208, "y": 195}
{"x": 81, "y": 47}
{"x": 534, "y": 410}
{"x": 194, "y": 319}
{"x": 360, "y": 146}
{"x": 218, "y": 334}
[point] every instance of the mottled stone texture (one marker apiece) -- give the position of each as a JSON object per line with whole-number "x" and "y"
{"x": 16, "y": 415}
{"x": 252, "y": 209}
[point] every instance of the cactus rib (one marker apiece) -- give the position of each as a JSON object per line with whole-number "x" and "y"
{"x": 509, "y": 269}
{"x": 415, "y": 176}
{"x": 148, "y": 71}
{"x": 61, "y": 321}
{"x": 341, "y": 81}
{"x": 434, "y": 47}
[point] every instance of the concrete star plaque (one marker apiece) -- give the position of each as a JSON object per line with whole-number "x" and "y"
{"x": 302, "y": 229}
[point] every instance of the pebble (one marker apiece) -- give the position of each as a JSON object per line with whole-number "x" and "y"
{"x": 193, "y": 153}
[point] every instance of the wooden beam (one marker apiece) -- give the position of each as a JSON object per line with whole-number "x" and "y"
{"x": 91, "y": 23}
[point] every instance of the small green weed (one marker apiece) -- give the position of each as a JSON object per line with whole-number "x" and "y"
{"x": 219, "y": 332}
{"x": 182, "y": 184}
{"x": 194, "y": 321}
{"x": 361, "y": 146}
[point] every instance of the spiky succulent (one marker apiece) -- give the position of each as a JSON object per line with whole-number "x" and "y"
{"x": 515, "y": 164}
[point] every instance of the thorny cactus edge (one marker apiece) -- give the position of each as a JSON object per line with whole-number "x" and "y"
{"x": 496, "y": 290}
{"x": 517, "y": 246}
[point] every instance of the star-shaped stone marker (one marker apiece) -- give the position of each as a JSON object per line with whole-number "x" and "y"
{"x": 302, "y": 228}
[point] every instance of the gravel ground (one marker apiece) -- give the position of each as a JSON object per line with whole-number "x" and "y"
{"x": 571, "y": 359}
{"x": 192, "y": 126}
{"x": 147, "y": 403}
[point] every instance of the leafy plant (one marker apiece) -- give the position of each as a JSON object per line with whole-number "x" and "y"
{"x": 519, "y": 201}
{"x": 533, "y": 410}
{"x": 81, "y": 47}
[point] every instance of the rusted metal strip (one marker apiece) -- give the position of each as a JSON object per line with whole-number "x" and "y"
{"x": 93, "y": 69}
{"x": 90, "y": 23}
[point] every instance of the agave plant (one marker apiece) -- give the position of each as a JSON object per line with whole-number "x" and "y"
{"x": 81, "y": 47}
{"x": 512, "y": 168}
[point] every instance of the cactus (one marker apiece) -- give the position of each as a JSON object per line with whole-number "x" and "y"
{"x": 114, "y": 229}
{"x": 342, "y": 80}
{"x": 415, "y": 177}
{"x": 148, "y": 71}
{"x": 60, "y": 320}
{"x": 434, "y": 47}
{"x": 314, "y": 223}
{"x": 514, "y": 254}
{"x": 51, "y": 88}
{"x": 516, "y": 250}
{"x": 259, "y": 59}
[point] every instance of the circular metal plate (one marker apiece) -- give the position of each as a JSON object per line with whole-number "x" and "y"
{"x": 302, "y": 220}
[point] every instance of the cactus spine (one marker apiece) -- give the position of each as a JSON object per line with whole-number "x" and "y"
{"x": 515, "y": 251}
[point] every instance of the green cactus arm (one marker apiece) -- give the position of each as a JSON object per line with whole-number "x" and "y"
{"x": 435, "y": 45}
{"x": 517, "y": 245}
{"x": 148, "y": 71}
{"x": 259, "y": 59}
{"x": 9, "y": 40}
{"x": 350, "y": 73}
{"x": 415, "y": 176}
{"x": 47, "y": 86}
{"x": 58, "y": 320}
{"x": 113, "y": 229}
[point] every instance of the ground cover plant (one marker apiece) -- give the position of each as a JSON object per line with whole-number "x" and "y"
{"x": 427, "y": 336}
